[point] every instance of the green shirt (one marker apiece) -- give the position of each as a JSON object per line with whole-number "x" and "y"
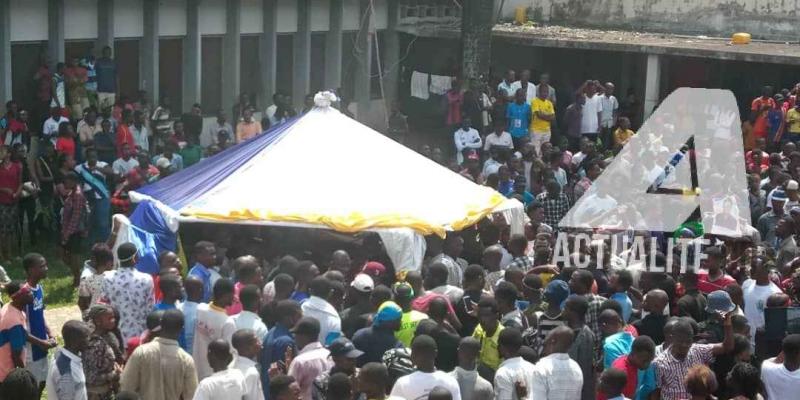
{"x": 489, "y": 355}
{"x": 408, "y": 324}
{"x": 191, "y": 154}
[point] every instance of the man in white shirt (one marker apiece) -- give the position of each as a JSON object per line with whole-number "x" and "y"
{"x": 211, "y": 131}
{"x": 524, "y": 83}
{"x": 141, "y": 134}
{"x": 250, "y": 298}
{"x": 591, "y": 114}
{"x": 224, "y": 383}
{"x": 507, "y": 84}
{"x": 124, "y": 164}
{"x": 419, "y": 384}
{"x": 513, "y": 371}
{"x": 499, "y": 137}
{"x": 783, "y": 378}
{"x": 208, "y": 325}
{"x": 608, "y": 115}
{"x": 248, "y": 347}
{"x": 556, "y": 376}
{"x": 50, "y": 127}
{"x": 466, "y": 138}
{"x": 318, "y": 307}
{"x": 312, "y": 359}
{"x": 66, "y": 379}
{"x": 756, "y": 291}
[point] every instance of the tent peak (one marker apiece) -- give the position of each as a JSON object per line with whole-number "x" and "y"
{"x": 324, "y": 99}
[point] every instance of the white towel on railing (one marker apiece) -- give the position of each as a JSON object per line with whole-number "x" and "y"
{"x": 441, "y": 84}
{"x": 419, "y": 85}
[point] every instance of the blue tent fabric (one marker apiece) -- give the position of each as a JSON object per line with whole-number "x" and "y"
{"x": 183, "y": 187}
{"x": 151, "y": 235}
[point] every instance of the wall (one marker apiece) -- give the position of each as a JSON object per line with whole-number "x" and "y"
{"x": 766, "y": 19}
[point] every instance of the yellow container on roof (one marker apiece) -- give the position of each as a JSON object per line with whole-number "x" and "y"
{"x": 741, "y": 38}
{"x": 521, "y": 15}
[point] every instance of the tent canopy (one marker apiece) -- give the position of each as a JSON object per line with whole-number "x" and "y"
{"x": 325, "y": 170}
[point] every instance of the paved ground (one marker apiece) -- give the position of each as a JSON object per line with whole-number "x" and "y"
{"x": 56, "y": 317}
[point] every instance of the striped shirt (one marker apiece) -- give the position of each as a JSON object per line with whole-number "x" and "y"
{"x": 670, "y": 371}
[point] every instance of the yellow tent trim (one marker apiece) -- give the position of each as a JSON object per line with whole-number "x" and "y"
{"x": 355, "y": 222}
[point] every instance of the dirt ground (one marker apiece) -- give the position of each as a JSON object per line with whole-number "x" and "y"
{"x": 56, "y": 317}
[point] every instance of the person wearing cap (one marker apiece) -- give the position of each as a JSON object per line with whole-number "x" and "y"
{"x": 792, "y": 195}
{"x": 471, "y": 169}
{"x": 360, "y": 290}
{"x": 130, "y": 292}
{"x": 375, "y": 270}
{"x": 466, "y": 138}
{"x": 403, "y": 295}
{"x": 312, "y": 357}
{"x": 343, "y": 355}
{"x": 13, "y": 328}
{"x": 555, "y": 293}
{"x": 380, "y": 337}
{"x": 768, "y": 221}
{"x": 718, "y": 303}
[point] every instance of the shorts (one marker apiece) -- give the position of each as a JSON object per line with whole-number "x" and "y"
{"x": 38, "y": 368}
{"x": 9, "y": 219}
{"x": 74, "y": 243}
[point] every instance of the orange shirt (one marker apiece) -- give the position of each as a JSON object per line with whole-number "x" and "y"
{"x": 124, "y": 138}
{"x": 247, "y": 130}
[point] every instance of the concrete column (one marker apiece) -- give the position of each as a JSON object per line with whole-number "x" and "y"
{"x": 231, "y": 54}
{"x": 301, "y": 78}
{"x": 476, "y": 38}
{"x": 364, "y": 47}
{"x": 652, "y": 84}
{"x": 333, "y": 46}
{"x": 192, "y": 52}
{"x": 148, "y": 60}
{"x": 5, "y": 50}
{"x": 390, "y": 53}
{"x": 55, "y": 32}
{"x": 624, "y": 74}
{"x": 105, "y": 25}
{"x": 267, "y": 47}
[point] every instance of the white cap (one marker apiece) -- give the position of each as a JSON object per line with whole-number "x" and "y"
{"x": 792, "y": 185}
{"x": 163, "y": 162}
{"x": 363, "y": 283}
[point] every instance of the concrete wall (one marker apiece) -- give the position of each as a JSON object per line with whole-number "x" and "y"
{"x": 766, "y": 19}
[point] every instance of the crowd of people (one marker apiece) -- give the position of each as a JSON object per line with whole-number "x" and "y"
{"x": 488, "y": 315}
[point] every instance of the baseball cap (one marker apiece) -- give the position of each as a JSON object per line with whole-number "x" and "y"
{"x": 363, "y": 283}
{"x": 306, "y": 326}
{"x": 374, "y": 268}
{"x": 344, "y": 347}
{"x": 556, "y": 292}
{"x": 792, "y": 185}
{"x": 719, "y": 301}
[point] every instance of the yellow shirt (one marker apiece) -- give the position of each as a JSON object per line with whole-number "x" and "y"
{"x": 622, "y": 136}
{"x": 545, "y": 106}
{"x": 408, "y": 325}
{"x": 489, "y": 355}
{"x": 793, "y": 121}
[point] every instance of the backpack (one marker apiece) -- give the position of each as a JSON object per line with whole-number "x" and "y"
{"x": 398, "y": 362}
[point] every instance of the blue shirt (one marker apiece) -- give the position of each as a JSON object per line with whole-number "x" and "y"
{"x": 200, "y": 271}
{"x": 646, "y": 383}
{"x": 519, "y": 118}
{"x": 189, "y": 309}
{"x": 106, "y": 71}
{"x": 277, "y": 340}
{"x": 626, "y": 303}
{"x": 164, "y": 307}
{"x": 36, "y": 325}
{"x": 616, "y": 345}
{"x": 299, "y": 296}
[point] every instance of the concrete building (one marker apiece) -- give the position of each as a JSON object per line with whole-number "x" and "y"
{"x": 647, "y": 47}
{"x": 210, "y": 51}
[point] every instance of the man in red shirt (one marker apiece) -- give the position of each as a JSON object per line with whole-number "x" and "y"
{"x": 637, "y": 365}
{"x": 759, "y": 108}
{"x": 124, "y": 135}
{"x": 714, "y": 278}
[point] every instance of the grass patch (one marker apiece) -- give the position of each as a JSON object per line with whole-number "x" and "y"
{"x": 58, "y": 290}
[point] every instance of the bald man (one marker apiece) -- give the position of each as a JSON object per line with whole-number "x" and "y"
{"x": 224, "y": 383}
{"x": 655, "y": 302}
{"x": 557, "y": 376}
{"x": 492, "y": 257}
